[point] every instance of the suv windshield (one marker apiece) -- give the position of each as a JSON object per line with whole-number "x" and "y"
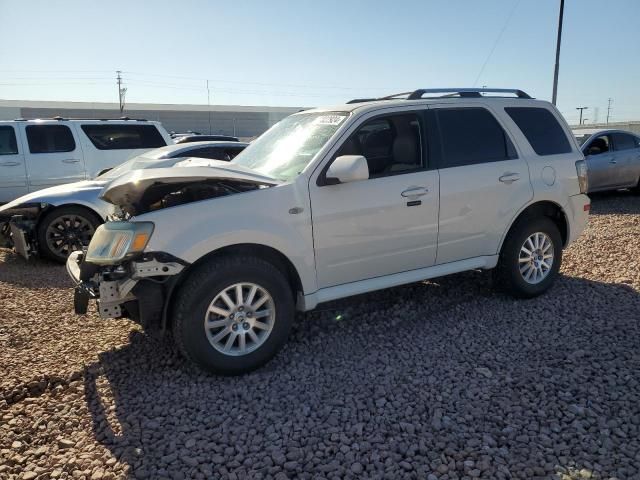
{"x": 288, "y": 147}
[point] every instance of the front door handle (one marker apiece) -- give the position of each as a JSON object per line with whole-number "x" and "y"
{"x": 509, "y": 177}
{"x": 415, "y": 192}
{"x": 70, "y": 160}
{"x": 9, "y": 164}
{"x": 613, "y": 161}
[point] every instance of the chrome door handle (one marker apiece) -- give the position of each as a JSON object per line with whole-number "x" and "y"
{"x": 70, "y": 160}
{"x": 415, "y": 192}
{"x": 613, "y": 161}
{"x": 509, "y": 177}
{"x": 9, "y": 164}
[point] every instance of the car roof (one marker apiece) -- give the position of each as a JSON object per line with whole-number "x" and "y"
{"x": 600, "y": 131}
{"x": 177, "y": 148}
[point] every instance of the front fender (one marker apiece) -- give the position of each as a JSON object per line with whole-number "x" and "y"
{"x": 277, "y": 217}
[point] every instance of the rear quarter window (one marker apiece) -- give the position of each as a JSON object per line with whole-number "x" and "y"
{"x": 123, "y": 137}
{"x": 543, "y": 132}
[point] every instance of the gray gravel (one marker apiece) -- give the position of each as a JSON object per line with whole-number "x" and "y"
{"x": 436, "y": 380}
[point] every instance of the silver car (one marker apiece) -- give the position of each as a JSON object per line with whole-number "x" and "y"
{"x": 57, "y": 220}
{"x": 613, "y": 159}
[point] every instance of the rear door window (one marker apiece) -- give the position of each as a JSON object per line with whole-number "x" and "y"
{"x": 623, "y": 141}
{"x": 541, "y": 128}
{"x": 50, "y": 139}
{"x": 470, "y": 136}
{"x": 123, "y": 137}
{"x": 8, "y": 144}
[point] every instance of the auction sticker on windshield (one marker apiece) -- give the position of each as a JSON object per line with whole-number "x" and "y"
{"x": 330, "y": 119}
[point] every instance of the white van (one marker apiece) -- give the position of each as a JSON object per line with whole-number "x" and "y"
{"x": 35, "y": 154}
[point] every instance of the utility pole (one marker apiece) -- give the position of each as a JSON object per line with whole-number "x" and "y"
{"x": 581, "y": 109}
{"x": 209, "y": 107}
{"x": 121, "y": 91}
{"x": 609, "y": 109}
{"x": 554, "y": 96}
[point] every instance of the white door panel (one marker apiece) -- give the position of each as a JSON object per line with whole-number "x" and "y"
{"x": 13, "y": 175}
{"x": 476, "y": 207}
{"x": 368, "y": 229}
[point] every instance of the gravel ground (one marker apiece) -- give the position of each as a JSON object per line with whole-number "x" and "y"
{"x": 436, "y": 380}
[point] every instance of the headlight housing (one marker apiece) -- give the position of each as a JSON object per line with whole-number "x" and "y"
{"x": 114, "y": 241}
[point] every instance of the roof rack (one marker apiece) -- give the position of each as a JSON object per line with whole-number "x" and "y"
{"x": 446, "y": 93}
{"x": 59, "y": 118}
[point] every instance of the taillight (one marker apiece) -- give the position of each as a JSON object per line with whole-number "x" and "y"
{"x": 581, "y": 168}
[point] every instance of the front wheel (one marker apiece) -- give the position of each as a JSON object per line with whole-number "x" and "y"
{"x": 233, "y": 314}
{"x": 530, "y": 258}
{"x": 64, "y": 230}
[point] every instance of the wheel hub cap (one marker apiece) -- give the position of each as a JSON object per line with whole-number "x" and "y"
{"x": 239, "y": 319}
{"x": 536, "y": 258}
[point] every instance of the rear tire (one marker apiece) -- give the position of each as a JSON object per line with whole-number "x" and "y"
{"x": 223, "y": 334}
{"x": 65, "y": 229}
{"x": 525, "y": 275}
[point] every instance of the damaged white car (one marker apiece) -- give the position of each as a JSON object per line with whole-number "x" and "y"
{"x": 336, "y": 202}
{"x": 55, "y": 221}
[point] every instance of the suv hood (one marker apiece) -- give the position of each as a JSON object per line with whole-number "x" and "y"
{"x": 141, "y": 191}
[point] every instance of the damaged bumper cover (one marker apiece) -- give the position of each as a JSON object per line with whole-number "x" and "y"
{"x": 136, "y": 289}
{"x": 17, "y": 228}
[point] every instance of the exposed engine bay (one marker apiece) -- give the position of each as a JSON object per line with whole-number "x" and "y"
{"x": 149, "y": 190}
{"x": 165, "y": 195}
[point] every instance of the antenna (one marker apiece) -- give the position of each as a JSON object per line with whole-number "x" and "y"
{"x": 121, "y": 90}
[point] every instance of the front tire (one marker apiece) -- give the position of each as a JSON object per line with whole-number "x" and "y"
{"x": 233, "y": 314}
{"x": 64, "y": 230}
{"x": 530, "y": 258}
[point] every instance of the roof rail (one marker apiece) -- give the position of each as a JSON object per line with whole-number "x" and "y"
{"x": 447, "y": 93}
{"x": 466, "y": 92}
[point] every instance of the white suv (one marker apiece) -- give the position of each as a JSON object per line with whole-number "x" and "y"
{"x": 333, "y": 202}
{"x": 35, "y": 154}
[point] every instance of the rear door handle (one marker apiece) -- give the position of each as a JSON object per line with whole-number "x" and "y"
{"x": 70, "y": 160}
{"x": 9, "y": 164}
{"x": 415, "y": 192}
{"x": 613, "y": 161}
{"x": 509, "y": 177}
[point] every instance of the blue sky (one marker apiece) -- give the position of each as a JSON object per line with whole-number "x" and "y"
{"x": 305, "y": 52}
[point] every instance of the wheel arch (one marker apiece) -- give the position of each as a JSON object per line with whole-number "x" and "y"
{"x": 270, "y": 254}
{"x": 546, "y": 208}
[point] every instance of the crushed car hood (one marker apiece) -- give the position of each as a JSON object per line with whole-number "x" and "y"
{"x": 52, "y": 194}
{"x": 129, "y": 190}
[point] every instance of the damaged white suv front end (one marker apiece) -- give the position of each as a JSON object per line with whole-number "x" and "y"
{"x": 112, "y": 269}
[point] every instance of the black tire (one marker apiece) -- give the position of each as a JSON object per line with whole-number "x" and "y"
{"x": 636, "y": 190}
{"x": 200, "y": 289}
{"x": 83, "y": 236}
{"x": 507, "y": 276}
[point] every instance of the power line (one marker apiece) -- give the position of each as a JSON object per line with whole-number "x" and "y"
{"x": 495, "y": 44}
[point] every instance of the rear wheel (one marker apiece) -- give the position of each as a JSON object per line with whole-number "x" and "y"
{"x": 530, "y": 258}
{"x": 233, "y": 314}
{"x": 65, "y": 230}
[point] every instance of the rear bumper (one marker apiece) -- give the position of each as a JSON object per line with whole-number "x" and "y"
{"x": 578, "y": 209}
